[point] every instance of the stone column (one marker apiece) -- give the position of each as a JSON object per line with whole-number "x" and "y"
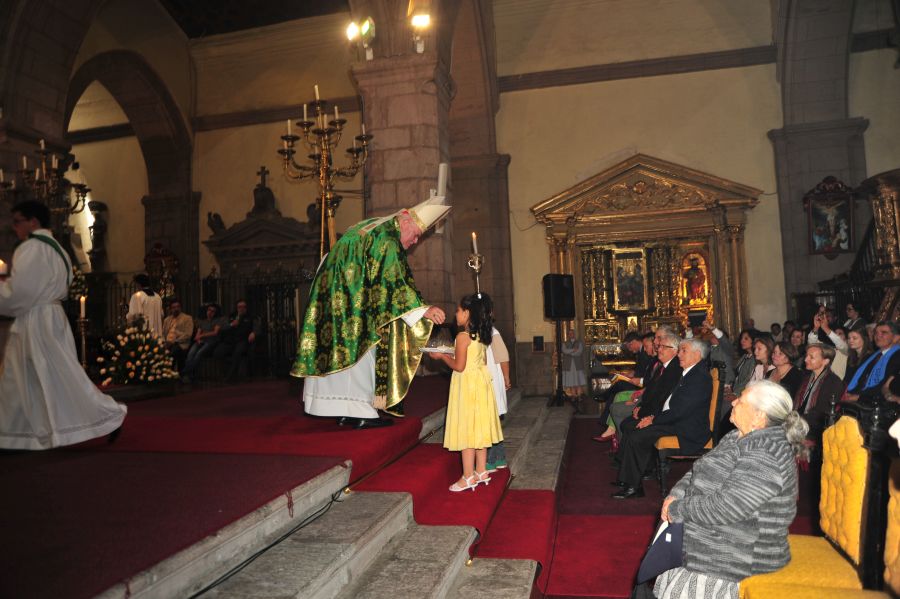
{"x": 736, "y": 234}
{"x": 481, "y": 204}
{"x": 173, "y": 220}
{"x": 406, "y": 100}
{"x": 804, "y": 155}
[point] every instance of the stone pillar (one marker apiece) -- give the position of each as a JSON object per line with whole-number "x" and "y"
{"x": 406, "y": 100}
{"x": 804, "y": 155}
{"x": 173, "y": 221}
{"x": 481, "y": 204}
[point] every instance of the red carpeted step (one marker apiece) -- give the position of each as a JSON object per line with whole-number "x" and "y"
{"x": 427, "y": 471}
{"x": 75, "y": 523}
{"x": 598, "y": 556}
{"x": 523, "y": 528}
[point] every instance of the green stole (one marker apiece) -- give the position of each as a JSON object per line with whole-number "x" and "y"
{"x": 356, "y": 302}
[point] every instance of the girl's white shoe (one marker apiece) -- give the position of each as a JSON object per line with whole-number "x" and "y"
{"x": 483, "y": 478}
{"x": 471, "y": 483}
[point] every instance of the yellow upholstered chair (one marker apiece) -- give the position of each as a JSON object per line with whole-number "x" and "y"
{"x": 816, "y": 565}
{"x": 818, "y": 588}
{"x": 667, "y": 448}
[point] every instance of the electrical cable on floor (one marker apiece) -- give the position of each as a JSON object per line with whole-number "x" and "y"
{"x": 335, "y": 498}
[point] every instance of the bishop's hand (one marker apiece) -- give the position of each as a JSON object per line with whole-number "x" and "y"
{"x": 435, "y": 315}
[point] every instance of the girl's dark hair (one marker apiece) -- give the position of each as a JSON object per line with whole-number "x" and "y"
{"x": 481, "y": 323}
{"x": 855, "y": 358}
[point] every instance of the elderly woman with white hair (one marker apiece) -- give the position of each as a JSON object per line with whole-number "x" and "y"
{"x": 739, "y": 499}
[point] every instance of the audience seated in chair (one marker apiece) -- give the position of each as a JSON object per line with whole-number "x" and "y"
{"x": 177, "y": 329}
{"x": 881, "y": 365}
{"x": 205, "y": 341}
{"x": 236, "y": 340}
{"x": 819, "y": 388}
{"x": 662, "y": 380}
{"x": 685, "y": 413}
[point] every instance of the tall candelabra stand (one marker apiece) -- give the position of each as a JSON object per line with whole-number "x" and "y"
{"x": 83, "y": 324}
{"x": 320, "y": 138}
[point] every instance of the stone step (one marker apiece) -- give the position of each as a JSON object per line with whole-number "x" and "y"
{"x": 192, "y": 569}
{"x": 321, "y": 559}
{"x": 422, "y": 562}
{"x": 495, "y": 579}
{"x": 540, "y": 469}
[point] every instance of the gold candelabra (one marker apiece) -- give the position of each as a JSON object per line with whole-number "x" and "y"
{"x": 46, "y": 183}
{"x": 321, "y": 136}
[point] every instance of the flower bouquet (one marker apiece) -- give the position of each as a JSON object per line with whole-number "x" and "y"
{"x": 135, "y": 356}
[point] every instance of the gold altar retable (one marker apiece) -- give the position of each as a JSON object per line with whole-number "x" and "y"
{"x": 650, "y": 242}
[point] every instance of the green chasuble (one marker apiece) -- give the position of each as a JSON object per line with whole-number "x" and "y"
{"x": 356, "y": 302}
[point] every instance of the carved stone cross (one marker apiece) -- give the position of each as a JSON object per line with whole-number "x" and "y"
{"x": 262, "y": 172}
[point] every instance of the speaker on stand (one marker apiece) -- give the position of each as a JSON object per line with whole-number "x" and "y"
{"x": 559, "y": 305}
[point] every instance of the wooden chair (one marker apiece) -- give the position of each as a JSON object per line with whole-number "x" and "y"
{"x": 667, "y": 448}
{"x": 850, "y": 560}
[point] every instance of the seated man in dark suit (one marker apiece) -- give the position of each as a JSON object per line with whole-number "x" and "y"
{"x": 660, "y": 385}
{"x": 685, "y": 413}
{"x": 643, "y": 349}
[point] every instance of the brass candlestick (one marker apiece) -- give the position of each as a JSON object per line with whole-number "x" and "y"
{"x": 476, "y": 261}
{"x": 82, "y": 330}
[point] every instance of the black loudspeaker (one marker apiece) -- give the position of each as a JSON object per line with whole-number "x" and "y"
{"x": 559, "y": 297}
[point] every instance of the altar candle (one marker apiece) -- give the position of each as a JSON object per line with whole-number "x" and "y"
{"x": 474, "y": 242}
{"x": 305, "y": 118}
{"x": 442, "y": 179}
{"x": 43, "y": 146}
{"x": 289, "y": 126}
{"x": 316, "y": 88}
{"x": 37, "y": 174}
{"x": 336, "y": 113}
{"x": 4, "y": 269}
{"x": 55, "y": 162}
{"x": 363, "y": 128}
{"x": 83, "y": 302}
{"x": 2, "y": 179}
{"x": 24, "y": 163}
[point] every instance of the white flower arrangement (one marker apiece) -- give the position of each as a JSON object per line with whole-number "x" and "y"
{"x": 135, "y": 356}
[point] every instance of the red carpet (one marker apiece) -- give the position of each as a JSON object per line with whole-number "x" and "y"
{"x": 523, "y": 528}
{"x": 427, "y": 471}
{"x": 598, "y": 556}
{"x": 267, "y": 418}
{"x": 79, "y": 522}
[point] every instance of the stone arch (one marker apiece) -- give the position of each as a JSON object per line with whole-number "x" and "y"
{"x": 151, "y": 111}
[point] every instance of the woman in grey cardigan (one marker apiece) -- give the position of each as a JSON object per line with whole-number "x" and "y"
{"x": 738, "y": 500}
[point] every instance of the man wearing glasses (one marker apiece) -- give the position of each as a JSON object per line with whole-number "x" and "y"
{"x": 46, "y": 399}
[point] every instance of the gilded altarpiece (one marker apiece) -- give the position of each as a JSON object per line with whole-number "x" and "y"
{"x": 649, "y": 242}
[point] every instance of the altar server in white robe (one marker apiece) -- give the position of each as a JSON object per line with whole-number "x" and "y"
{"x": 46, "y": 399}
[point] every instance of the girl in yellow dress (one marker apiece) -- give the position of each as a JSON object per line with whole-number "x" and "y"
{"x": 472, "y": 421}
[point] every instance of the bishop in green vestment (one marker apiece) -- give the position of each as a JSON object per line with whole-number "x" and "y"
{"x": 366, "y": 320}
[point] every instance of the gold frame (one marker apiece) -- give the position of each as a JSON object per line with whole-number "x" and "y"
{"x": 639, "y": 256}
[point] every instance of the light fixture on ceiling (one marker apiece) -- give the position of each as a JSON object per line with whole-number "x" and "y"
{"x": 362, "y": 33}
{"x": 419, "y": 13}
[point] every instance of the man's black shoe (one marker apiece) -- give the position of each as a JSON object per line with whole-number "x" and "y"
{"x": 347, "y": 421}
{"x": 114, "y": 435}
{"x": 629, "y": 492}
{"x": 374, "y": 422}
{"x": 617, "y": 483}
{"x": 649, "y": 475}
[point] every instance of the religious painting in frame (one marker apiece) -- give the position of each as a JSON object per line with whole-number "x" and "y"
{"x": 694, "y": 280}
{"x": 829, "y": 209}
{"x": 629, "y": 275}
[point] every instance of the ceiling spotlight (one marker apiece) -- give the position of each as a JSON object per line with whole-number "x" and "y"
{"x": 420, "y": 21}
{"x": 352, "y": 31}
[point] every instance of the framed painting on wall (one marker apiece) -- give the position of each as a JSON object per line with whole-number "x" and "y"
{"x": 629, "y": 275}
{"x": 829, "y": 208}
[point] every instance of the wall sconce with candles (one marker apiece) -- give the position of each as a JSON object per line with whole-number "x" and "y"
{"x": 321, "y": 136}
{"x": 362, "y": 34}
{"x": 46, "y": 183}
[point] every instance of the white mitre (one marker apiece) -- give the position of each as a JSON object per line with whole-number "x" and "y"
{"x": 428, "y": 213}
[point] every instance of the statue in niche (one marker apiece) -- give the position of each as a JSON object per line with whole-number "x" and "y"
{"x": 215, "y": 223}
{"x": 98, "y": 232}
{"x": 695, "y": 289}
{"x": 263, "y": 198}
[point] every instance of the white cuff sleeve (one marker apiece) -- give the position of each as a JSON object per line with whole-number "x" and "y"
{"x": 415, "y": 316}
